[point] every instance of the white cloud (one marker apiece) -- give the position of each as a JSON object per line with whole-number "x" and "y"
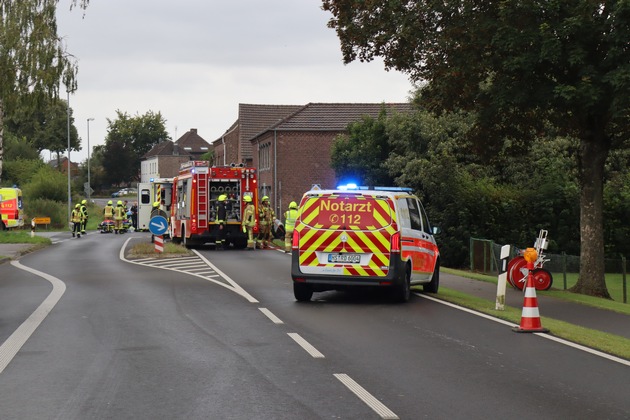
{"x": 196, "y": 60}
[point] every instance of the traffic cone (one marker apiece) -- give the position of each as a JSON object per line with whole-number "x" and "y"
{"x": 530, "y": 318}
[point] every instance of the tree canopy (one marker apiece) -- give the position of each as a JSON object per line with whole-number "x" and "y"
{"x": 522, "y": 67}
{"x": 128, "y": 140}
{"x": 33, "y": 60}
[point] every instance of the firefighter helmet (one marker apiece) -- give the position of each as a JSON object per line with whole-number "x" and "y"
{"x": 77, "y": 206}
{"x": 265, "y": 198}
{"x": 109, "y": 203}
{"x": 84, "y": 202}
{"x": 119, "y": 203}
{"x": 222, "y": 197}
{"x": 247, "y": 199}
{"x": 293, "y": 205}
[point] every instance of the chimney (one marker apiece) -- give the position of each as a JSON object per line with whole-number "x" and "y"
{"x": 193, "y": 130}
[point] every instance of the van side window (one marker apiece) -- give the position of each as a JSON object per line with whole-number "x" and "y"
{"x": 414, "y": 214}
{"x": 403, "y": 210}
{"x": 426, "y": 226}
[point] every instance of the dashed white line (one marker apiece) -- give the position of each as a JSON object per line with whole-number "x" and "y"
{"x": 14, "y": 343}
{"x": 366, "y": 397}
{"x": 271, "y": 316}
{"x": 306, "y": 346}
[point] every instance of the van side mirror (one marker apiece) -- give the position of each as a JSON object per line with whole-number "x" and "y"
{"x": 436, "y": 230}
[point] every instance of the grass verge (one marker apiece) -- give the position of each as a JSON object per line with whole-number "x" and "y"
{"x": 144, "y": 250}
{"x": 22, "y": 237}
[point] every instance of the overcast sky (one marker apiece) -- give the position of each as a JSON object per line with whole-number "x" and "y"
{"x": 194, "y": 61}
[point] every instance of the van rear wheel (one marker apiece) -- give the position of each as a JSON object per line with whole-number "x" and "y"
{"x": 302, "y": 292}
{"x": 402, "y": 292}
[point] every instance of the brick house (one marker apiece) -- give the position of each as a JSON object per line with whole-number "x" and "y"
{"x": 234, "y": 146}
{"x": 165, "y": 158}
{"x": 293, "y": 155}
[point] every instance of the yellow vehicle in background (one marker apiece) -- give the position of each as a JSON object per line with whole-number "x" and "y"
{"x": 11, "y": 208}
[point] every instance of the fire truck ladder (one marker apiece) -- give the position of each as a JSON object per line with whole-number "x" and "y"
{"x": 202, "y": 202}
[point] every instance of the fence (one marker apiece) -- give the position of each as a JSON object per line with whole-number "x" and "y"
{"x": 485, "y": 256}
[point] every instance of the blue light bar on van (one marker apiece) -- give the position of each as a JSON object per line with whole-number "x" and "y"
{"x": 347, "y": 187}
{"x": 350, "y": 187}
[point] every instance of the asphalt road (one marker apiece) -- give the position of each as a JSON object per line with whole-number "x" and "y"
{"x": 221, "y": 336}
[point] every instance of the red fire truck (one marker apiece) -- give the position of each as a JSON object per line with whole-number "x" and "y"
{"x": 195, "y": 197}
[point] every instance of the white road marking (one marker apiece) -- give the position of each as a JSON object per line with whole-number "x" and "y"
{"x": 233, "y": 286}
{"x": 542, "y": 335}
{"x": 271, "y": 316}
{"x": 14, "y": 343}
{"x": 366, "y": 397}
{"x": 306, "y": 345}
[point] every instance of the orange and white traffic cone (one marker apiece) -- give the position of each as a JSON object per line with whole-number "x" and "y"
{"x": 530, "y": 317}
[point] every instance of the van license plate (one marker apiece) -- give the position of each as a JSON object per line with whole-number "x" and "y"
{"x": 344, "y": 258}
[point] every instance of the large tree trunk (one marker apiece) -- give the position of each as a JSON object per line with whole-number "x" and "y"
{"x": 593, "y": 152}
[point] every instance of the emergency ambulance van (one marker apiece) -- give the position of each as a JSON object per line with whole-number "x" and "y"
{"x": 361, "y": 238}
{"x": 11, "y": 208}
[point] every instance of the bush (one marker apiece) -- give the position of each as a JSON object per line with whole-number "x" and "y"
{"x": 20, "y": 171}
{"x": 49, "y": 184}
{"x": 42, "y": 207}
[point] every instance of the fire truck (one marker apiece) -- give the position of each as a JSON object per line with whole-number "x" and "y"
{"x": 11, "y": 211}
{"x": 156, "y": 190}
{"x": 195, "y": 198}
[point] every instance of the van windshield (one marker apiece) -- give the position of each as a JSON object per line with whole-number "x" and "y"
{"x": 346, "y": 211}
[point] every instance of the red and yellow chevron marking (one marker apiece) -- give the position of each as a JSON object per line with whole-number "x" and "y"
{"x": 369, "y": 225}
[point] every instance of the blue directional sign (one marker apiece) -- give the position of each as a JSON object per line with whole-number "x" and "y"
{"x": 158, "y": 225}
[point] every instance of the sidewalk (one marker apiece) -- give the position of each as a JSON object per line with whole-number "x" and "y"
{"x": 574, "y": 313}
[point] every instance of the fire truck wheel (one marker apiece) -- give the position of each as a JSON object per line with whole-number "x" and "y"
{"x": 302, "y": 292}
{"x": 402, "y": 292}
{"x": 434, "y": 284}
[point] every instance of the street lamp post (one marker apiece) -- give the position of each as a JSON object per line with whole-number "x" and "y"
{"x": 89, "y": 186}
{"x": 69, "y": 189}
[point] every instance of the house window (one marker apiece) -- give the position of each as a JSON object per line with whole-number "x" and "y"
{"x": 264, "y": 157}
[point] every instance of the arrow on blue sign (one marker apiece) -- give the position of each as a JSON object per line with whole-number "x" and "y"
{"x": 158, "y": 225}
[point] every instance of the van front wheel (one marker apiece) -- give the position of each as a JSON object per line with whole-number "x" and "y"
{"x": 302, "y": 292}
{"x": 434, "y": 285}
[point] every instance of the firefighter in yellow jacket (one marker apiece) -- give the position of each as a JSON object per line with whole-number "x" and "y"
{"x": 84, "y": 212}
{"x": 289, "y": 225}
{"x": 119, "y": 215}
{"x": 76, "y": 219}
{"x": 266, "y": 216}
{"x": 249, "y": 221}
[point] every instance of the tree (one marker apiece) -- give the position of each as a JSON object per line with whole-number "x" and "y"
{"x": 128, "y": 140}
{"x": 33, "y": 59}
{"x": 46, "y": 126}
{"x": 519, "y": 65}
{"x": 359, "y": 154}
